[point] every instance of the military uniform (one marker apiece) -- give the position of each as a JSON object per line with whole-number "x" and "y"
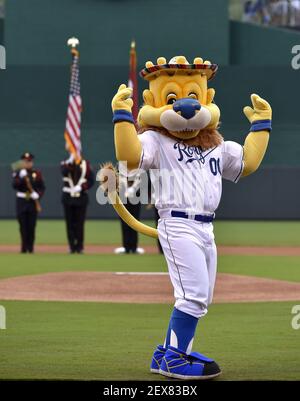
{"x": 130, "y": 189}
{"x": 130, "y": 236}
{"x": 26, "y": 201}
{"x": 77, "y": 180}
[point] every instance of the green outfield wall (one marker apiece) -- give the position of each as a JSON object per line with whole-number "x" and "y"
{"x": 33, "y": 109}
{"x": 261, "y": 45}
{"x": 2, "y": 31}
{"x": 34, "y": 88}
{"x": 37, "y": 30}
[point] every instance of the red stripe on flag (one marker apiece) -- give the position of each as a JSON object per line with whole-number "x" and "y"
{"x": 72, "y": 129}
{"x": 75, "y": 104}
{"x": 78, "y": 101}
{"x": 75, "y": 111}
{"x": 75, "y": 123}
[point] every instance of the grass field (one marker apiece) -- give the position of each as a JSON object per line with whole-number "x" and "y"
{"x": 61, "y": 340}
{"x": 259, "y": 233}
{"x": 53, "y": 340}
{"x": 277, "y": 267}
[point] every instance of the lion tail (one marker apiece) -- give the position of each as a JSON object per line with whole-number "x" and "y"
{"x": 109, "y": 187}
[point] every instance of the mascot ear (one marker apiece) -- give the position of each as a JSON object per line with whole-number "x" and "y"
{"x": 210, "y": 96}
{"x": 148, "y": 97}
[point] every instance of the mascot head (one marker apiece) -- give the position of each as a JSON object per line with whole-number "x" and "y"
{"x": 178, "y": 102}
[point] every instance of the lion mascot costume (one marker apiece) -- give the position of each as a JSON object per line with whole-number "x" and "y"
{"x": 178, "y": 138}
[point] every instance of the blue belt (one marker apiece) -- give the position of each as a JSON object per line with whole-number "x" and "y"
{"x": 197, "y": 217}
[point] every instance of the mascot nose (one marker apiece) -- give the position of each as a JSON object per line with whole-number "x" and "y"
{"x": 186, "y": 107}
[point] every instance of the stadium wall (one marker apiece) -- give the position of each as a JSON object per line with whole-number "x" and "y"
{"x": 251, "y": 44}
{"x": 106, "y": 28}
{"x": 35, "y": 122}
{"x": 35, "y": 119}
{"x": 1, "y": 31}
{"x": 33, "y": 110}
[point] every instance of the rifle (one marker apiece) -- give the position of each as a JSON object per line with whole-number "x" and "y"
{"x": 18, "y": 165}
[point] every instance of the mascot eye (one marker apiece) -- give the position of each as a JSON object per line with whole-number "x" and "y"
{"x": 193, "y": 95}
{"x": 171, "y": 98}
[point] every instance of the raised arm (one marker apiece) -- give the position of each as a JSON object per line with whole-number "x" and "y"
{"x": 128, "y": 147}
{"x": 257, "y": 140}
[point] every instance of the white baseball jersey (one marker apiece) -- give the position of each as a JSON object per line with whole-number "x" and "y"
{"x": 185, "y": 178}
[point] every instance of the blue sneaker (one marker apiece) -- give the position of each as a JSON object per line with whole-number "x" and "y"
{"x": 158, "y": 355}
{"x": 179, "y": 365}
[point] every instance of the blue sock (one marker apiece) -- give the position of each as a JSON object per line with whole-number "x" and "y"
{"x": 181, "y": 331}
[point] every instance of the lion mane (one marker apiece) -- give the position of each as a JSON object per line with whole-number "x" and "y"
{"x": 206, "y": 139}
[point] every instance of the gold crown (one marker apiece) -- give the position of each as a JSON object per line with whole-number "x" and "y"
{"x": 151, "y": 70}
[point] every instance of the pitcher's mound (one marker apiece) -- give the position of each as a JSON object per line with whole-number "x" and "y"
{"x": 138, "y": 288}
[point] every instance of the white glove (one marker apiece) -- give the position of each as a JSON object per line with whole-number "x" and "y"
{"x": 130, "y": 193}
{"x": 77, "y": 188}
{"x": 70, "y": 160}
{"x": 34, "y": 195}
{"x": 23, "y": 173}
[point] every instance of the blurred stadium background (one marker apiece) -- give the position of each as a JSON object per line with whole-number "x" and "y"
{"x": 253, "y": 57}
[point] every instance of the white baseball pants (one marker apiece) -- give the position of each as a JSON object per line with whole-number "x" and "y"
{"x": 191, "y": 255}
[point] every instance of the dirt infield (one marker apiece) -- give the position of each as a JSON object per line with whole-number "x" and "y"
{"x": 138, "y": 288}
{"x": 150, "y": 249}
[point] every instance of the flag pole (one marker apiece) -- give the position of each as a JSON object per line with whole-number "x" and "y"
{"x": 73, "y": 43}
{"x": 133, "y": 79}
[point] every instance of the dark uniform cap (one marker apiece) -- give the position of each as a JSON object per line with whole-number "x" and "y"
{"x": 27, "y": 156}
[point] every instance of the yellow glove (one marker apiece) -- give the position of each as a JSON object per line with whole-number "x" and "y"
{"x": 257, "y": 140}
{"x": 127, "y": 145}
{"x": 261, "y": 112}
{"x": 122, "y": 99}
{"x": 213, "y": 109}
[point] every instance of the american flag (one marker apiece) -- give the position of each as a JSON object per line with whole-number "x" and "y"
{"x": 73, "y": 122}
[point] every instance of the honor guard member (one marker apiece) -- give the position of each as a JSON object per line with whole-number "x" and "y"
{"x": 30, "y": 187}
{"x": 129, "y": 189}
{"x": 78, "y": 178}
{"x": 151, "y": 205}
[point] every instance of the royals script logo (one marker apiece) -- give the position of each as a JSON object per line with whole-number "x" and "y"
{"x": 191, "y": 153}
